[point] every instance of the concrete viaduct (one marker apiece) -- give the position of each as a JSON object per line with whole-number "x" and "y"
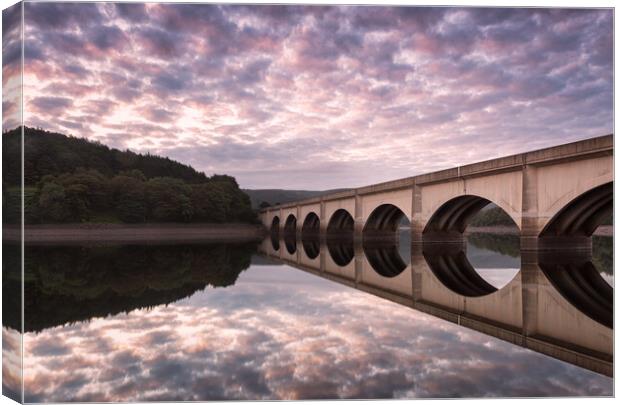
{"x": 556, "y": 196}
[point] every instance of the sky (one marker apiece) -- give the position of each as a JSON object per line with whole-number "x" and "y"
{"x": 317, "y": 97}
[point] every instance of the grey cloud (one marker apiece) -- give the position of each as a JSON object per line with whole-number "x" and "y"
{"x": 134, "y": 12}
{"x": 51, "y": 104}
{"x": 107, "y": 37}
{"x": 56, "y": 16}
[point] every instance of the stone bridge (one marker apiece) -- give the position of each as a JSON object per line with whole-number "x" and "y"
{"x": 556, "y": 197}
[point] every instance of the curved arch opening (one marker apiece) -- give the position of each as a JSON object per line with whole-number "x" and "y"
{"x": 310, "y": 235}
{"x": 340, "y": 225}
{"x": 339, "y": 237}
{"x": 275, "y": 233}
{"x": 582, "y": 215}
{"x": 387, "y": 240}
{"x": 290, "y": 228}
{"x": 311, "y": 225}
{"x": 578, "y": 280}
{"x": 451, "y": 219}
{"x": 489, "y": 240}
{"x": 384, "y": 221}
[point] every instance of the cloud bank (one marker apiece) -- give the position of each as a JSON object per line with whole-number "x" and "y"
{"x": 318, "y": 97}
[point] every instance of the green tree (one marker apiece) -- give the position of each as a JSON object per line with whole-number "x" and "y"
{"x": 168, "y": 199}
{"x": 51, "y": 202}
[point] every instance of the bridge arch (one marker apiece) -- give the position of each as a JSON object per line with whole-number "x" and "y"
{"x": 275, "y": 233}
{"x": 341, "y": 224}
{"x": 310, "y": 235}
{"x": 452, "y": 217}
{"x": 275, "y": 225}
{"x": 582, "y": 215}
{"x": 381, "y": 240}
{"x": 311, "y": 225}
{"x": 384, "y": 218}
{"x": 290, "y": 226}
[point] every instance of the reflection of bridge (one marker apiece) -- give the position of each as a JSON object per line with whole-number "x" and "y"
{"x": 546, "y": 307}
{"x": 556, "y": 196}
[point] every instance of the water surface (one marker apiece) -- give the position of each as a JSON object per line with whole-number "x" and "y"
{"x": 209, "y": 322}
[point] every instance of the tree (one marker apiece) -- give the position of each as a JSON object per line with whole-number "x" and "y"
{"x": 51, "y": 202}
{"x": 168, "y": 199}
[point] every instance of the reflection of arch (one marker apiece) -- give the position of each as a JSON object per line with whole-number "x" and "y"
{"x": 311, "y": 225}
{"x": 580, "y": 283}
{"x": 275, "y": 224}
{"x": 340, "y": 224}
{"x": 290, "y": 225}
{"x": 275, "y": 233}
{"x": 582, "y": 215}
{"x": 451, "y": 266}
{"x": 290, "y": 242}
{"x": 451, "y": 219}
{"x": 341, "y": 250}
{"x": 385, "y": 217}
{"x": 384, "y": 258}
{"x": 311, "y": 246}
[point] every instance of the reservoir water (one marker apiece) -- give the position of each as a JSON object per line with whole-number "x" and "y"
{"x": 224, "y": 322}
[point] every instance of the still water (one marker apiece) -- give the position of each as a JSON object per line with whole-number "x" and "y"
{"x": 212, "y": 322}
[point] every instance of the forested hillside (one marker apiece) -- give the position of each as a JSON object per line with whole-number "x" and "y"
{"x": 70, "y": 179}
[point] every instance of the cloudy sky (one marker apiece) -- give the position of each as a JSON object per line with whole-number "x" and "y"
{"x": 311, "y": 97}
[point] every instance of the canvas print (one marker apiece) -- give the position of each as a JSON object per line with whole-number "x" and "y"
{"x": 288, "y": 202}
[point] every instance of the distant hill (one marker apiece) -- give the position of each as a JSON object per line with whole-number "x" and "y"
{"x": 275, "y": 196}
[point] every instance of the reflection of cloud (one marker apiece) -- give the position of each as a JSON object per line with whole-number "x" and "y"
{"x": 11, "y": 364}
{"x": 304, "y": 338}
{"x": 313, "y": 88}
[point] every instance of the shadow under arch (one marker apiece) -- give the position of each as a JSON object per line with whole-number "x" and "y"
{"x": 380, "y": 240}
{"x": 450, "y": 220}
{"x": 578, "y": 280}
{"x": 383, "y": 222}
{"x": 275, "y": 233}
{"x": 311, "y": 225}
{"x": 450, "y": 265}
{"x": 578, "y": 220}
{"x": 339, "y": 237}
{"x": 310, "y": 235}
{"x": 340, "y": 225}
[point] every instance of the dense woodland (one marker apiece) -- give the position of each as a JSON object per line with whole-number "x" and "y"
{"x": 70, "y": 179}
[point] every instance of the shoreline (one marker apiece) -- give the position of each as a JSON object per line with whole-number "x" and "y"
{"x": 127, "y": 233}
{"x": 178, "y": 232}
